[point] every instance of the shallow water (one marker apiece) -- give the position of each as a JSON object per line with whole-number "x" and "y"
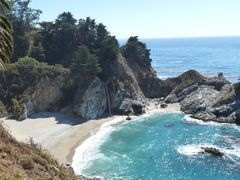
{"x": 161, "y": 147}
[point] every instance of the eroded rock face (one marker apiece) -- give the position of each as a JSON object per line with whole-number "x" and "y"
{"x": 199, "y": 100}
{"x": 45, "y": 96}
{"x": 91, "y": 102}
{"x": 123, "y": 87}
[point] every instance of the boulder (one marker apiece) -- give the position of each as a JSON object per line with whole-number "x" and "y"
{"x": 129, "y": 106}
{"x": 163, "y": 105}
{"x": 212, "y": 151}
{"x": 128, "y": 118}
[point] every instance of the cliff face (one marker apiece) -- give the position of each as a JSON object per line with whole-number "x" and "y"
{"x": 56, "y": 89}
{"x": 123, "y": 86}
{"x": 25, "y": 90}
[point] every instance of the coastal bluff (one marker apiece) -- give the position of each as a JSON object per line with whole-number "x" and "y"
{"x": 126, "y": 90}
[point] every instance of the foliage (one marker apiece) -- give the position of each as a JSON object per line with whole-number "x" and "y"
{"x": 37, "y": 52}
{"x": 19, "y": 79}
{"x": 27, "y": 162}
{"x": 23, "y": 19}
{"x": 61, "y": 40}
{"x": 107, "y": 53}
{"x": 84, "y": 62}
{"x": 136, "y": 51}
{"x": 6, "y": 40}
{"x": 38, "y": 159}
{"x": 27, "y": 61}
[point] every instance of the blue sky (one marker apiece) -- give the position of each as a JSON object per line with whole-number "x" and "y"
{"x": 152, "y": 18}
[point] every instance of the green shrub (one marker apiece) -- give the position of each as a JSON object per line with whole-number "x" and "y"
{"x": 26, "y": 162}
{"x": 38, "y": 159}
{"x": 37, "y": 52}
{"x": 58, "y": 66}
{"x": 27, "y": 61}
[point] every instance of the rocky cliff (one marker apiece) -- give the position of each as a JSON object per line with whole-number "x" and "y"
{"x": 209, "y": 99}
{"x": 27, "y": 89}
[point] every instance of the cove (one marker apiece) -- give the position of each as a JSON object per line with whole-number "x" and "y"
{"x": 161, "y": 146}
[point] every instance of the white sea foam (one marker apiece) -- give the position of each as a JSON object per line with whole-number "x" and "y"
{"x": 89, "y": 149}
{"x": 189, "y": 119}
{"x": 189, "y": 150}
{"x": 177, "y": 62}
{"x": 196, "y": 149}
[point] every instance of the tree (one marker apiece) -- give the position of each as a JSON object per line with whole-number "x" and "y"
{"x": 87, "y": 32}
{"x": 107, "y": 53}
{"x": 137, "y": 51}
{"x": 84, "y": 63}
{"x": 59, "y": 39}
{"x": 23, "y": 19}
{"x": 6, "y": 40}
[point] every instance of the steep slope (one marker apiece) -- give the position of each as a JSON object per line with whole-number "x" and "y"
{"x": 23, "y": 161}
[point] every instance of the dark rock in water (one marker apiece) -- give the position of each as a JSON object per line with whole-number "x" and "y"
{"x": 128, "y": 118}
{"x": 163, "y": 105}
{"x": 212, "y": 151}
{"x": 169, "y": 125}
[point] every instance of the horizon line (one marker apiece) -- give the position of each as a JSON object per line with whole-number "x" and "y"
{"x": 183, "y": 37}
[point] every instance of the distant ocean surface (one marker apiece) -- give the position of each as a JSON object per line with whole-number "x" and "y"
{"x": 171, "y": 57}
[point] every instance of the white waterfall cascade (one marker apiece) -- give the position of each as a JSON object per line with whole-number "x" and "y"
{"x": 108, "y": 99}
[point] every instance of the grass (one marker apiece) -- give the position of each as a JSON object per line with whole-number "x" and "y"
{"x": 28, "y": 161}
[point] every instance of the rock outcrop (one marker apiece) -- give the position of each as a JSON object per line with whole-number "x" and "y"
{"x": 212, "y": 151}
{"x": 208, "y": 99}
{"x": 90, "y": 102}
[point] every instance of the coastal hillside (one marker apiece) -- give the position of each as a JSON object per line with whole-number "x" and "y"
{"x": 76, "y": 67}
{"x": 28, "y": 161}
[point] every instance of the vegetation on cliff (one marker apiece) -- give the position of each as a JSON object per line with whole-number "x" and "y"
{"x": 28, "y": 161}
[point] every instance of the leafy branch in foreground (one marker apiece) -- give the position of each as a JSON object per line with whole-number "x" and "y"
{"x": 6, "y": 40}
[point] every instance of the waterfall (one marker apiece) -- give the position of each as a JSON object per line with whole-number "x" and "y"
{"x": 108, "y": 99}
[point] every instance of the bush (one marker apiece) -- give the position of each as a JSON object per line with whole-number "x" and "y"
{"x": 26, "y": 162}
{"x": 84, "y": 62}
{"x": 38, "y": 159}
{"x": 27, "y": 61}
{"x": 137, "y": 51}
{"x": 37, "y": 52}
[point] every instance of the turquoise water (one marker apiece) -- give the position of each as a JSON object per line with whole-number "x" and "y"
{"x": 161, "y": 147}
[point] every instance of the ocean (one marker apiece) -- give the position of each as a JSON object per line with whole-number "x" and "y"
{"x": 168, "y": 146}
{"x": 211, "y": 55}
{"x": 161, "y": 146}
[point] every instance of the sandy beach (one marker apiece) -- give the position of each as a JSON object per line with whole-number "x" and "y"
{"x": 61, "y": 134}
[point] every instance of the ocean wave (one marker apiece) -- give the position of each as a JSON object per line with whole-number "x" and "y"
{"x": 196, "y": 149}
{"x": 177, "y": 62}
{"x": 189, "y": 119}
{"x": 88, "y": 151}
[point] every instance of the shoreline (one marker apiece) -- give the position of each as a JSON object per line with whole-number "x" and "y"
{"x": 61, "y": 134}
